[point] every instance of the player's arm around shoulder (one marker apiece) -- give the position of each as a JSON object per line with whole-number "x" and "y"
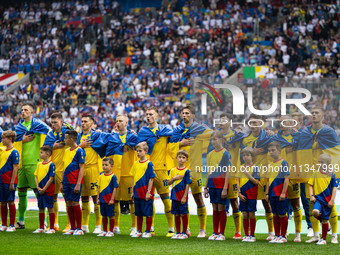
{"x": 285, "y": 187}
{"x": 150, "y": 187}
{"x": 170, "y": 177}
{"x": 81, "y": 162}
{"x": 98, "y": 194}
{"x": 115, "y": 186}
{"x": 112, "y": 200}
{"x": 15, "y": 160}
{"x": 334, "y": 185}
{"x": 267, "y": 190}
{"x": 185, "y": 195}
{"x": 311, "y": 189}
{"x": 224, "y": 193}
{"x": 51, "y": 174}
{"x": 206, "y": 189}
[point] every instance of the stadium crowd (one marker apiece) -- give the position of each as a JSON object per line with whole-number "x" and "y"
{"x": 91, "y": 57}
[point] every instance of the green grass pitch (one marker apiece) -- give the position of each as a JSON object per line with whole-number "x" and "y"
{"x": 24, "y": 242}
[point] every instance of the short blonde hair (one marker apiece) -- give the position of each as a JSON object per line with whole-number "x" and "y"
{"x": 143, "y": 145}
{"x": 122, "y": 115}
{"x": 248, "y": 150}
{"x": 326, "y": 157}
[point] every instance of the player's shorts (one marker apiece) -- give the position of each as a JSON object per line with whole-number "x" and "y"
{"x": 323, "y": 209}
{"x": 160, "y": 182}
{"x": 26, "y": 177}
{"x": 248, "y": 206}
{"x": 178, "y": 209}
{"x": 196, "y": 186}
{"x": 124, "y": 190}
{"x": 57, "y": 181}
{"x": 91, "y": 176}
{"x": 215, "y": 196}
{"x": 143, "y": 208}
{"x": 294, "y": 189}
{"x": 232, "y": 189}
{"x": 69, "y": 192}
{"x": 5, "y": 194}
{"x": 278, "y": 207}
{"x": 261, "y": 192}
{"x": 107, "y": 210}
{"x": 44, "y": 201}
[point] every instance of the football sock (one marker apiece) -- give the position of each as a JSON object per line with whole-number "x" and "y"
{"x": 246, "y": 226}
{"x": 252, "y": 226}
{"x": 52, "y": 220}
{"x": 12, "y": 214}
{"x": 133, "y": 216}
{"x": 86, "y": 210}
{"x": 71, "y": 217}
{"x": 77, "y": 215}
{"x": 283, "y": 225}
{"x": 97, "y": 214}
{"x": 117, "y": 214}
{"x": 167, "y": 211}
{"x": 325, "y": 227}
{"x": 68, "y": 218}
{"x": 139, "y": 223}
{"x": 185, "y": 223}
{"x": 153, "y": 213}
{"x": 112, "y": 224}
{"x": 104, "y": 220}
{"x": 148, "y": 223}
{"x": 178, "y": 223}
{"x": 318, "y": 217}
{"x": 269, "y": 219}
{"x": 41, "y": 220}
{"x": 202, "y": 216}
{"x": 56, "y": 210}
{"x": 22, "y": 205}
{"x": 313, "y": 220}
{"x": 4, "y": 212}
{"x": 298, "y": 220}
{"x": 216, "y": 221}
{"x": 188, "y": 217}
{"x": 333, "y": 220}
{"x": 276, "y": 220}
{"x": 223, "y": 220}
{"x": 237, "y": 221}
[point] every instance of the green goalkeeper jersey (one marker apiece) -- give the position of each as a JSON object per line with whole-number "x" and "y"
{"x": 31, "y": 150}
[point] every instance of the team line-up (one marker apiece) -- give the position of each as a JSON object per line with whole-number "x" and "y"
{"x": 291, "y": 168}
{"x": 125, "y": 166}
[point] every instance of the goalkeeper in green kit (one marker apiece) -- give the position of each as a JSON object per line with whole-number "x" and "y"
{"x": 31, "y": 133}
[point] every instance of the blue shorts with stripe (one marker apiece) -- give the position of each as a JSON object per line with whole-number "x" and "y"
{"x": 248, "y": 206}
{"x": 69, "y": 192}
{"x": 279, "y": 207}
{"x": 107, "y": 210}
{"x": 143, "y": 208}
{"x": 323, "y": 209}
{"x": 5, "y": 193}
{"x": 44, "y": 201}
{"x": 178, "y": 209}
{"x": 215, "y": 196}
